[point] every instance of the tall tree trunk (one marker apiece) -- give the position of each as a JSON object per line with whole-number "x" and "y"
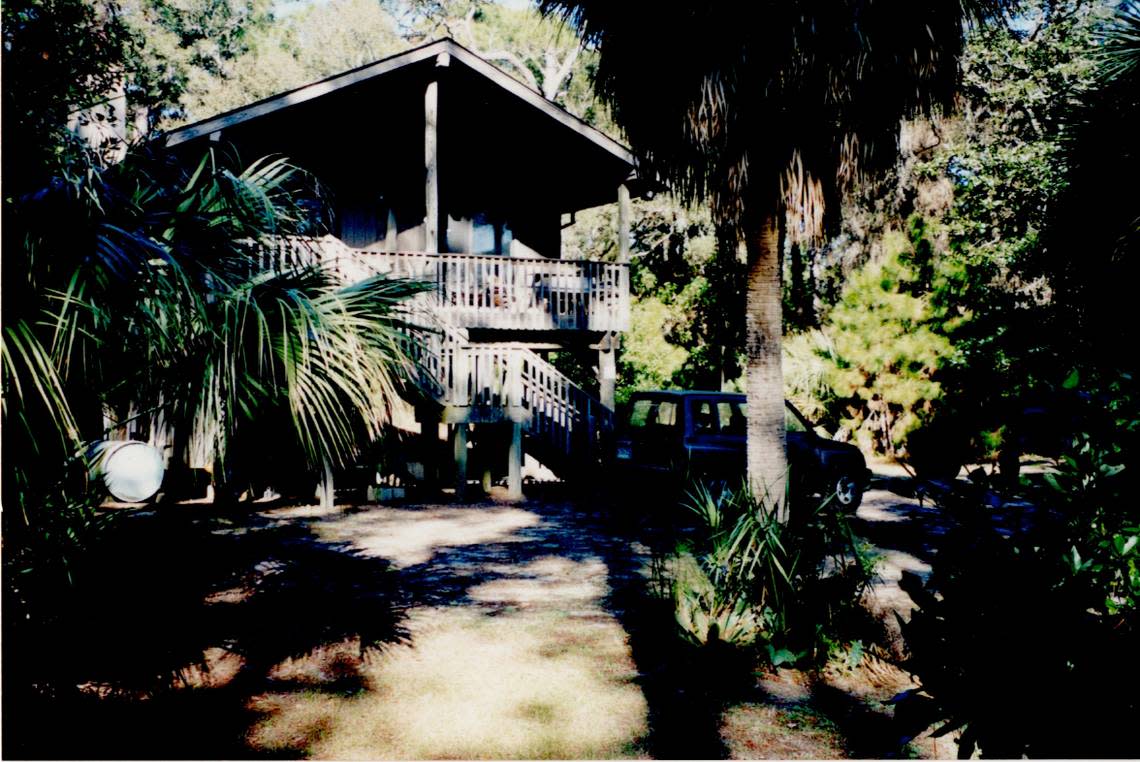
{"x": 767, "y": 460}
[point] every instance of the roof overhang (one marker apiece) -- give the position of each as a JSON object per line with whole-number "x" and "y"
{"x": 429, "y": 51}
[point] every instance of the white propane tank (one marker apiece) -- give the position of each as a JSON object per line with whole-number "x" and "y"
{"x": 131, "y": 471}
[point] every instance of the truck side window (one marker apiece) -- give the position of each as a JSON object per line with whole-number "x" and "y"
{"x": 667, "y": 414}
{"x": 639, "y": 414}
{"x": 733, "y": 418}
{"x": 704, "y": 422}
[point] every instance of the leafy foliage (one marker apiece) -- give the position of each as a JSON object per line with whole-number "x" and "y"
{"x": 1009, "y": 629}
{"x": 144, "y": 301}
{"x": 808, "y": 358}
{"x": 278, "y": 53}
{"x": 686, "y": 323}
{"x": 1093, "y": 487}
{"x": 749, "y": 579}
{"x": 191, "y": 46}
{"x": 985, "y": 184}
{"x": 265, "y": 50}
{"x": 59, "y": 55}
{"x": 649, "y": 360}
{"x": 887, "y": 340}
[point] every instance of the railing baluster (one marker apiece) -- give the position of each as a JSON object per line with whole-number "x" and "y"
{"x": 492, "y": 291}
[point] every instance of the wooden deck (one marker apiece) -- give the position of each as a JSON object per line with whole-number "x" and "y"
{"x": 493, "y": 381}
{"x": 493, "y": 291}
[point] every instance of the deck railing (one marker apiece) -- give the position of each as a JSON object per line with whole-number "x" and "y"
{"x": 491, "y": 291}
{"x": 482, "y": 378}
{"x": 488, "y": 291}
{"x": 478, "y": 379}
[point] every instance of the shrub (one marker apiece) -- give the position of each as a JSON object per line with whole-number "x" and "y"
{"x": 791, "y": 590}
{"x": 1026, "y": 643}
{"x": 807, "y": 358}
{"x": 889, "y": 339}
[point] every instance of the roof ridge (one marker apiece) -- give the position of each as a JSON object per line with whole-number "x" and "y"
{"x": 334, "y": 82}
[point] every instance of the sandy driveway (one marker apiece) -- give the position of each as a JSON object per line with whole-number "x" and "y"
{"x": 519, "y": 645}
{"x": 515, "y": 647}
{"x": 503, "y": 631}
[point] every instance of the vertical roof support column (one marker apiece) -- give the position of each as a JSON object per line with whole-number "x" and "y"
{"x": 623, "y": 223}
{"x": 431, "y": 159}
{"x": 607, "y": 347}
{"x": 431, "y": 167}
{"x": 515, "y": 462}
{"x": 607, "y": 373}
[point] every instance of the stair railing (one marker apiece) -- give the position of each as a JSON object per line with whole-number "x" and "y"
{"x": 558, "y": 414}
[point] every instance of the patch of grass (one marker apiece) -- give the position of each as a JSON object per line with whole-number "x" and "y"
{"x": 295, "y": 722}
{"x": 475, "y": 687}
{"x": 537, "y": 711}
{"x": 766, "y": 731}
{"x": 838, "y": 711}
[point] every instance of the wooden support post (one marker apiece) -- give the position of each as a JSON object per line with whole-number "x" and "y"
{"x": 624, "y": 214}
{"x": 431, "y": 168}
{"x": 591, "y": 431}
{"x": 515, "y": 380}
{"x": 459, "y": 443}
{"x": 515, "y": 462}
{"x": 607, "y": 374}
{"x": 325, "y": 494}
{"x": 429, "y": 452}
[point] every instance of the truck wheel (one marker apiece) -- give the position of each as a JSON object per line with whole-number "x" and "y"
{"x": 848, "y": 492}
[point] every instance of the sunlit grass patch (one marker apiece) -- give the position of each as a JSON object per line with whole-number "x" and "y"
{"x": 546, "y": 581}
{"x": 526, "y": 684}
{"x": 765, "y": 731}
{"x": 295, "y": 722}
{"x": 336, "y": 667}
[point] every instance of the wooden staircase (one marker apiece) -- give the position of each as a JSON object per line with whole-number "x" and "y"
{"x": 564, "y": 427}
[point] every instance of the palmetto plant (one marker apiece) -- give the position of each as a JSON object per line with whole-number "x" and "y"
{"x": 142, "y": 297}
{"x": 741, "y": 571}
{"x": 752, "y": 578}
{"x": 1094, "y": 232}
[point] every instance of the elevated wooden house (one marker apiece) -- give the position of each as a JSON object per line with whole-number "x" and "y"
{"x": 440, "y": 166}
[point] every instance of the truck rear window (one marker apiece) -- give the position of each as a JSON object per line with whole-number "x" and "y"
{"x": 733, "y": 418}
{"x": 652, "y": 413}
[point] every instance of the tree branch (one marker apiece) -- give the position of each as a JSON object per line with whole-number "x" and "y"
{"x": 517, "y": 63}
{"x": 552, "y": 84}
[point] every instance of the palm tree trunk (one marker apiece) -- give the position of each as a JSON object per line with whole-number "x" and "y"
{"x": 767, "y": 460}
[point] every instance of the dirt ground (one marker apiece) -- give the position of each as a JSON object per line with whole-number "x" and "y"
{"x": 526, "y": 640}
{"x": 487, "y": 630}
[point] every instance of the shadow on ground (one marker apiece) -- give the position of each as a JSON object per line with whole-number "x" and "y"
{"x": 573, "y": 568}
{"x": 174, "y": 622}
{"x": 202, "y": 634}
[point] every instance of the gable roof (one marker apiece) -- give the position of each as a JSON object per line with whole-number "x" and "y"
{"x": 454, "y": 51}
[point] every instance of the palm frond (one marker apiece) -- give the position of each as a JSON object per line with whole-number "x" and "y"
{"x": 720, "y": 103}
{"x": 1119, "y": 51}
{"x": 163, "y": 305}
{"x": 31, "y": 382}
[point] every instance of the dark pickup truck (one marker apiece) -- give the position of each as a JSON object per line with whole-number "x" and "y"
{"x": 673, "y": 436}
